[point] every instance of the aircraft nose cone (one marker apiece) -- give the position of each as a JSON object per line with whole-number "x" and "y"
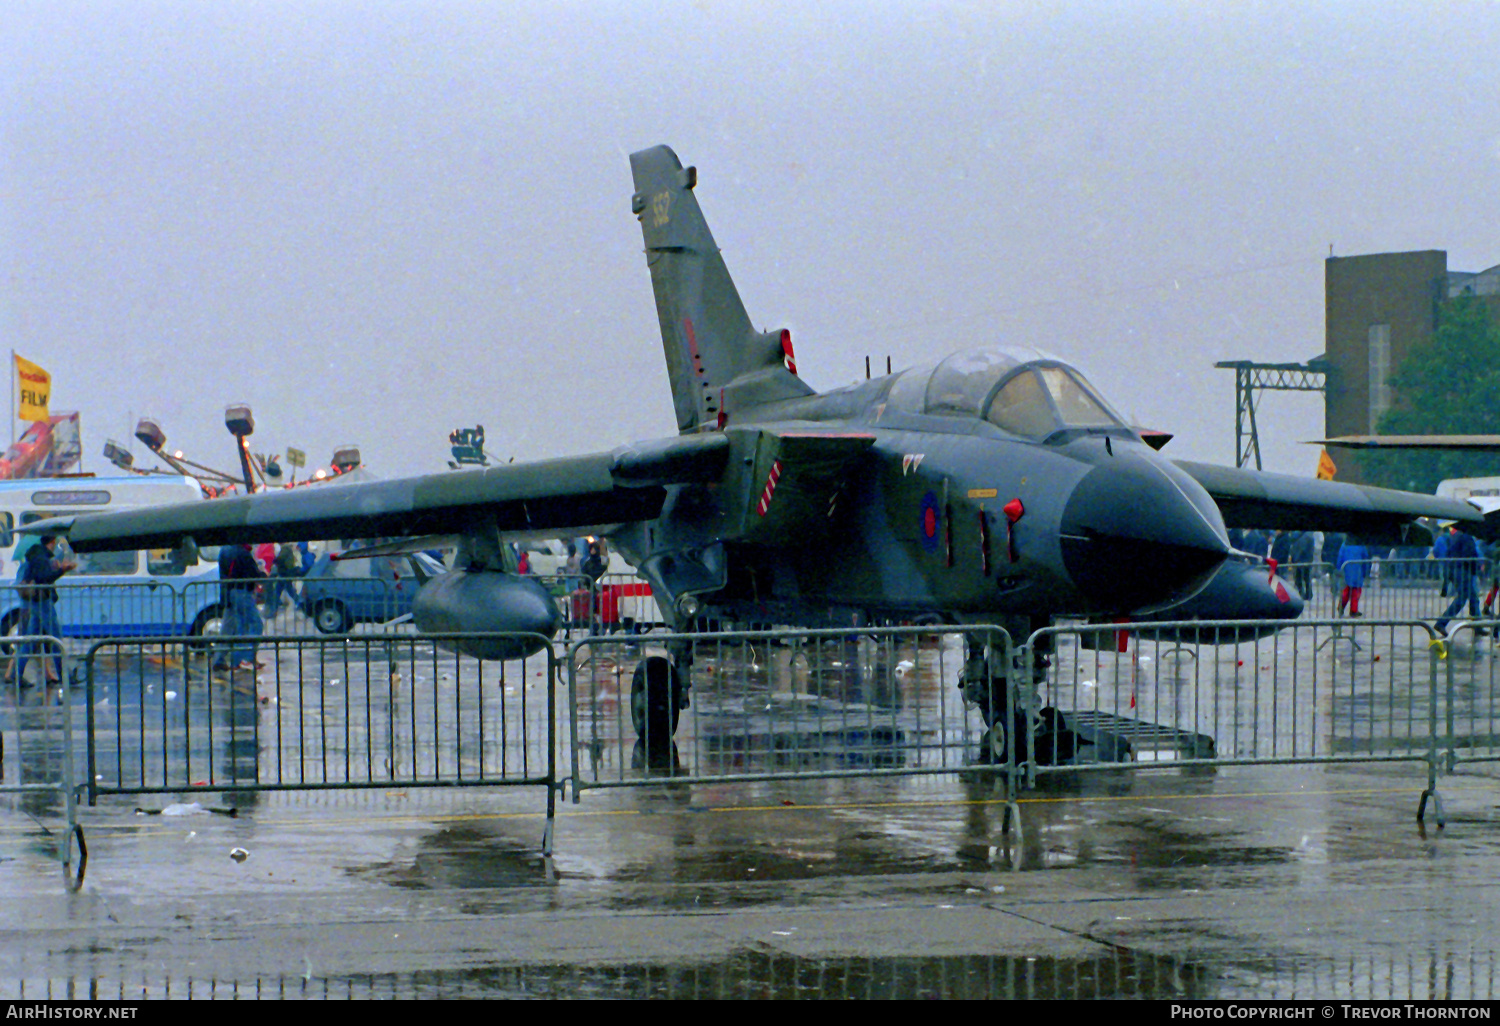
{"x": 1138, "y": 533}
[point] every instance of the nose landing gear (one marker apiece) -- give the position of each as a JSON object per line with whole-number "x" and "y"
{"x": 992, "y": 679}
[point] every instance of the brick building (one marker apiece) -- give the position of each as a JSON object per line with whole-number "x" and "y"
{"x": 1377, "y": 308}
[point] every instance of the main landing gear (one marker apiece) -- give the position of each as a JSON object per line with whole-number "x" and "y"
{"x": 658, "y": 694}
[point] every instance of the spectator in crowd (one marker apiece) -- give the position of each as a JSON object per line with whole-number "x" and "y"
{"x": 1463, "y": 566}
{"x": 285, "y": 570}
{"x": 39, "y": 573}
{"x": 1354, "y": 562}
{"x": 239, "y": 574}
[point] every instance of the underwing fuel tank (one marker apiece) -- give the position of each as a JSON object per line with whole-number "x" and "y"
{"x": 489, "y": 602}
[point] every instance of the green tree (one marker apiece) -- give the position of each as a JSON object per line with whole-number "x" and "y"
{"x": 1448, "y": 386}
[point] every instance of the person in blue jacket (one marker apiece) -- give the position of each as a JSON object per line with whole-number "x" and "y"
{"x": 1354, "y": 561}
{"x": 1463, "y": 566}
{"x": 239, "y": 575}
{"x": 1440, "y": 556}
{"x": 39, "y": 572}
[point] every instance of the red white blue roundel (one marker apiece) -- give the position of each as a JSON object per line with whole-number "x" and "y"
{"x": 929, "y": 522}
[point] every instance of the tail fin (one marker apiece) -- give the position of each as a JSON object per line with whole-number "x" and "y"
{"x": 716, "y": 361}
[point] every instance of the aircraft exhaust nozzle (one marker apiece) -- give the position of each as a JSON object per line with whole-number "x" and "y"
{"x": 1140, "y": 533}
{"x": 490, "y": 602}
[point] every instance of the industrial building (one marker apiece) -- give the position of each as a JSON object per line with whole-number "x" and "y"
{"x": 1378, "y": 307}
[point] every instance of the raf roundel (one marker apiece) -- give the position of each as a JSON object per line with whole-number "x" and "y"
{"x": 929, "y": 522}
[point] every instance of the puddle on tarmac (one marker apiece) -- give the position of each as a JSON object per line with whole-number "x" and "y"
{"x": 768, "y": 974}
{"x": 464, "y": 857}
{"x": 681, "y": 855}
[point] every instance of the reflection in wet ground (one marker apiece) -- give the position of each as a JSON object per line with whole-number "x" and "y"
{"x": 769, "y": 974}
{"x": 467, "y": 857}
{"x": 670, "y": 839}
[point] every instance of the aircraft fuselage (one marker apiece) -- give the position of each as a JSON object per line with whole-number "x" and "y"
{"x": 933, "y": 516}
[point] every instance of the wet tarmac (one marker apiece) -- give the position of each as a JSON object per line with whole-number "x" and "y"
{"x": 1260, "y": 881}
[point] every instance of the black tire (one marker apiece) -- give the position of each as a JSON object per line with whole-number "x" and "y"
{"x": 330, "y": 617}
{"x": 209, "y": 623}
{"x": 1009, "y": 727}
{"x": 655, "y": 701}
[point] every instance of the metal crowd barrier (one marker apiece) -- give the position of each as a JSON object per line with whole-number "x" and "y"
{"x": 774, "y": 705}
{"x": 316, "y": 713}
{"x": 38, "y": 761}
{"x": 615, "y": 603}
{"x": 92, "y": 611}
{"x": 397, "y": 710}
{"x": 1224, "y": 693}
{"x": 318, "y": 606}
{"x": 1394, "y": 589}
{"x": 102, "y": 609}
{"x": 1470, "y": 726}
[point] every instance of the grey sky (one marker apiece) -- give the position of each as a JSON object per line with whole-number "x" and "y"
{"x": 377, "y": 221}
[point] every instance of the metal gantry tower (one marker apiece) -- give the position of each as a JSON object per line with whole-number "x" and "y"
{"x": 1251, "y": 378}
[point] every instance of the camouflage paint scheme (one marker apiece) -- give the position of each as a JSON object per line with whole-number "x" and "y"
{"x": 924, "y": 495}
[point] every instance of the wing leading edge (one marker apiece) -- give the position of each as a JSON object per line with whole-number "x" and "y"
{"x": 1248, "y": 498}
{"x": 579, "y": 494}
{"x": 1462, "y": 443}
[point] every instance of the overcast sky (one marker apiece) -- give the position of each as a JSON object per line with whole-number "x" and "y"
{"x": 378, "y": 221}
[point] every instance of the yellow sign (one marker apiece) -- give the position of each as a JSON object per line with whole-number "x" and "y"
{"x": 35, "y": 390}
{"x": 1326, "y": 469}
{"x": 982, "y": 493}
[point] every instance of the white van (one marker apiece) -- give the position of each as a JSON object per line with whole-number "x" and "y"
{"x": 110, "y": 594}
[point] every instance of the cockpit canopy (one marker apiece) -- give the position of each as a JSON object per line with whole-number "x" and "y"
{"x": 1023, "y": 392}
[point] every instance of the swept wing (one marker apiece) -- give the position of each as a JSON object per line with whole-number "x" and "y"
{"x": 1469, "y": 443}
{"x": 578, "y": 494}
{"x": 1250, "y": 498}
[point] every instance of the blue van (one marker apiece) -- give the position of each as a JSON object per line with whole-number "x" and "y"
{"x": 111, "y": 594}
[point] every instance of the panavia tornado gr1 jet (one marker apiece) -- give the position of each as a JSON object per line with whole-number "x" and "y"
{"x": 992, "y": 487}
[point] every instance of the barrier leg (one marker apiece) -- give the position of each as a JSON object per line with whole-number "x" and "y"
{"x": 1435, "y": 654}
{"x": 1437, "y": 807}
{"x": 551, "y": 820}
{"x": 74, "y": 833}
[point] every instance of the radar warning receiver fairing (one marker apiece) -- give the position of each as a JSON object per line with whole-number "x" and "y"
{"x": 992, "y": 487}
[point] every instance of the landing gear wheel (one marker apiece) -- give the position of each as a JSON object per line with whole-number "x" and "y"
{"x": 656, "y": 701}
{"x": 1005, "y": 726}
{"x": 992, "y": 746}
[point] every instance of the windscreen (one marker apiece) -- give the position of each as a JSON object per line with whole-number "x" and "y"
{"x": 1040, "y": 400}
